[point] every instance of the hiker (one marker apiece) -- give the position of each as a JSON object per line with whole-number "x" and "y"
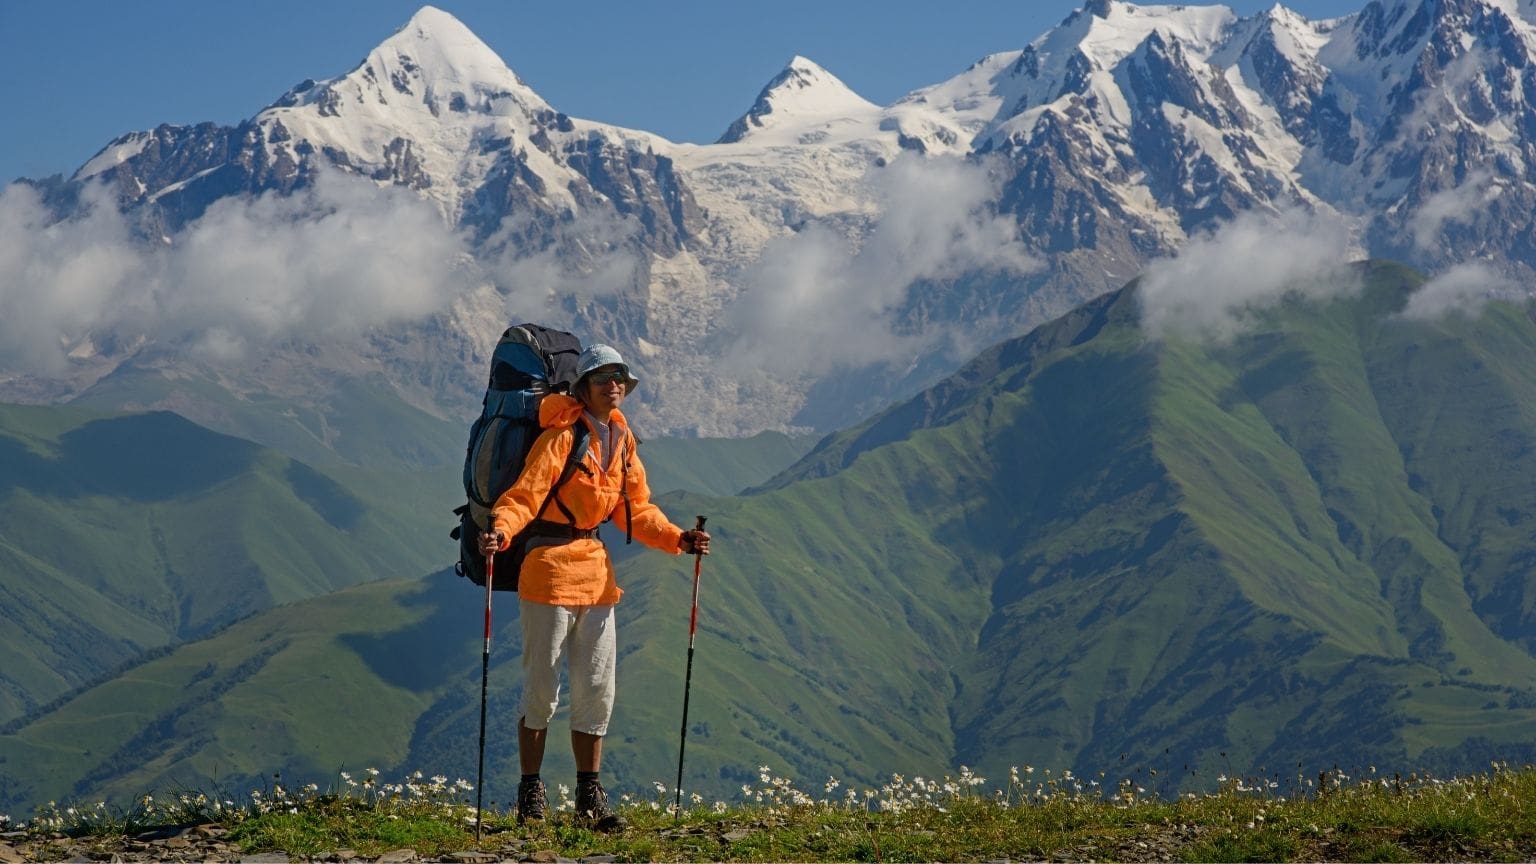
{"x": 566, "y": 587}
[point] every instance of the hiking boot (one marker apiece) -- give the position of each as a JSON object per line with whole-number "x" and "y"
{"x": 530, "y": 801}
{"x": 592, "y": 809}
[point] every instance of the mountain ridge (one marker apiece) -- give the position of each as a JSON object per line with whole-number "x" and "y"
{"x": 1097, "y": 148}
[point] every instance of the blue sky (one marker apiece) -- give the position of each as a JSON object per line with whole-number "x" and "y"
{"x": 77, "y": 73}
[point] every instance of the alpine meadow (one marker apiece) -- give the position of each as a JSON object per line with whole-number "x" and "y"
{"x": 1155, "y": 402}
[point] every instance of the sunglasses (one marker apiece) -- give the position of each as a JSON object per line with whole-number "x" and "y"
{"x": 601, "y": 378}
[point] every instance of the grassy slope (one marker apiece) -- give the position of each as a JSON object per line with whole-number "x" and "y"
{"x": 76, "y": 628}
{"x": 719, "y": 466}
{"x": 359, "y": 421}
{"x": 124, "y": 533}
{"x": 1277, "y": 587}
{"x": 423, "y": 637}
{"x": 145, "y": 495}
{"x": 1084, "y": 550}
{"x": 221, "y": 710}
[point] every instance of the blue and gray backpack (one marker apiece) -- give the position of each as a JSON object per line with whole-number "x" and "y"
{"x": 529, "y": 363}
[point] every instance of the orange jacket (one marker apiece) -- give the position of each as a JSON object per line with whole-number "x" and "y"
{"x": 579, "y": 573}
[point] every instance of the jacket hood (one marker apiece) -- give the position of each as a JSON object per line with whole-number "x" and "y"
{"x": 559, "y": 410}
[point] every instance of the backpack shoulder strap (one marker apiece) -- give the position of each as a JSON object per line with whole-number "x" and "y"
{"x": 581, "y": 440}
{"x": 629, "y": 514}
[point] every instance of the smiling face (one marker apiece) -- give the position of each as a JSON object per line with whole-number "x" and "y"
{"x": 603, "y": 389}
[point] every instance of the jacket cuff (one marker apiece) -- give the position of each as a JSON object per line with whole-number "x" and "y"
{"x": 675, "y": 546}
{"x": 506, "y": 536}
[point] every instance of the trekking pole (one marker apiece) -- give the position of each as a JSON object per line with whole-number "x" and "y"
{"x": 693, "y": 625}
{"x": 485, "y": 672}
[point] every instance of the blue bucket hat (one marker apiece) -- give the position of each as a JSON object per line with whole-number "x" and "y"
{"x": 598, "y": 356}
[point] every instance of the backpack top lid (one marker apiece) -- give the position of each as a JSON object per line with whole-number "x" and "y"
{"x": 530, "y": 356}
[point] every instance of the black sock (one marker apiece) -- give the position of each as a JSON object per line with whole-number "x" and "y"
{"x": 531, "y": 778}
{"x": 586, "y": 777}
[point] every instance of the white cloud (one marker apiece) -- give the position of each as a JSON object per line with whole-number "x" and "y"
{"x": 58, "y": 282}
{"x": 1464, "y": 288}
{"x": 592, "y": 258}
{"x": 1218, "y": 281}
{"x": 1459, "y": 203}
{"x": 821, "y": 297}
{"x": 331, "y": 261}
{"x": 328, "y": 262}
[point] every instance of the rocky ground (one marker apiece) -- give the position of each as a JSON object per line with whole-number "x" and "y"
{"x": 1154, "y": 844}
{"x": 207, "y": 843}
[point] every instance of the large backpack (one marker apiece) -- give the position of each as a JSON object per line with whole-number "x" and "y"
{"x": 529, "y": 363}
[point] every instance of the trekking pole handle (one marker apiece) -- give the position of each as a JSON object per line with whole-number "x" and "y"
{"x": 693, "y": 615}
{"x": 490, "y": 583}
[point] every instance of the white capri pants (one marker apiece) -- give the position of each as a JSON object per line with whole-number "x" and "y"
{"x": 584, "y": 635}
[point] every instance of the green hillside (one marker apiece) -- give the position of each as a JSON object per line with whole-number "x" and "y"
{"x": 361, "y": 420}
{"x": 719, "y": 466}
{"x": 124, "y": 534}
{"x": 1306, "y": 547}
{"x": 289, "y": 688}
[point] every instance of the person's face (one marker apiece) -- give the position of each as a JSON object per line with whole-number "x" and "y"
{"x": 603, "y": 389}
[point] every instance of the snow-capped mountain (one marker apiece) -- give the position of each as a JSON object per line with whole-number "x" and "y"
{"x": 1105, "y": 143}
{"x": 432, "y": 108}
{"x": 804, "y": 97}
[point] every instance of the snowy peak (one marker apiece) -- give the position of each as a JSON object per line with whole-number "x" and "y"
{"x": 1393, "y": 28}
{"x": 1386, "y": 29}
{"x": 445, "y": 52}
{"x": 1295, "y": 36}
{"x": 1408, "y": 62}
{"x": 434, "y": 62}
{"x": 1276, "y": 53}
{"x": 1115, "y": 29}
{"x": 1076, "y": 57}
{"x": 431, "y": 104}
{"x": 803, "y": 95}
